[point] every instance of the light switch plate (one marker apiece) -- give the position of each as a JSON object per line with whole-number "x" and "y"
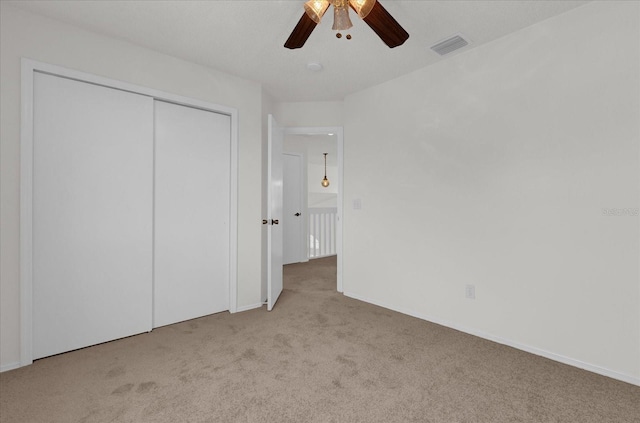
{"x": 470, "y": 292}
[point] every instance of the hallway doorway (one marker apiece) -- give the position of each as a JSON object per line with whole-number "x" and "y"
{"x": 321, "y": 206}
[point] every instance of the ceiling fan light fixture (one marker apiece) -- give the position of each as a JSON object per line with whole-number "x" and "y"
{"x": 362, "y": 7}
{"x": 371, "y": 11}
{"x": 315, "y": 9}
{"x": 341, "y": 19}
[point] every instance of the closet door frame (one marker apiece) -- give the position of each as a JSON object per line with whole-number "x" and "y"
{"x": 28, "y": 69}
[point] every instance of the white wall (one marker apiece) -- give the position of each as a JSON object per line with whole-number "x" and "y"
{"x": 312, "y": 148}
{"x": 27, "y": 35}
{"x": 493, "y": 168}
{"x": 320, "y": 113}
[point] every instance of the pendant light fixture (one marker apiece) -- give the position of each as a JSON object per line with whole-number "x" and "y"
{"x": 325, "y": 181}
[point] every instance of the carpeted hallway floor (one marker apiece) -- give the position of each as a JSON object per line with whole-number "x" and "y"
{"x": 318, "y": 357}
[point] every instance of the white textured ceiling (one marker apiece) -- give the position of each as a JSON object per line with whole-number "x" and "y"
{"x": 245, "y": 38}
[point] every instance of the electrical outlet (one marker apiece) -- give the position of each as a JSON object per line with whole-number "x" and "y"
{"x": 470, "y": 292}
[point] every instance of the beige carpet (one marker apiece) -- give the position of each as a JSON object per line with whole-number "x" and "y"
{"x": 318, "y": 357}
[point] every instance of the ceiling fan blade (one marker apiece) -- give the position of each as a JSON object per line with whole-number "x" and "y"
{"x": 301, "y": 32}
{"x": 387, "y": 28}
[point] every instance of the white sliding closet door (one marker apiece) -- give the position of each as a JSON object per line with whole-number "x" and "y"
{"x": 92, "y": 214}
{"x": 192, "y": 200}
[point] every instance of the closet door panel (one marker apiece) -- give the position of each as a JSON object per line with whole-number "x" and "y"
{"x": 192, "y": 199}
{"x": 92, "y": 214}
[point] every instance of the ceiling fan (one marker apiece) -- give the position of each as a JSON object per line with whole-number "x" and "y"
{"x": 371, "y": 11}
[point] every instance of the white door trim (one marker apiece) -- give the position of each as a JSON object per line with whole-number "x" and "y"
{"x": 338, "y": 131}
{"x": 28, "y": 68}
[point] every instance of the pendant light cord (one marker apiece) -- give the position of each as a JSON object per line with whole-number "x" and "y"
{"x": 325, "y": 165}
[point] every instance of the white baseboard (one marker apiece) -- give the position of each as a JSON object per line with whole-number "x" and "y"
{"x": 533, "y": 350}
{"x": 248, "y": 307}
{"x": 10, "y": 366}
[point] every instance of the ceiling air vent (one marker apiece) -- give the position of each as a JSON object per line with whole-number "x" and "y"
{"x": 450, "y": 44}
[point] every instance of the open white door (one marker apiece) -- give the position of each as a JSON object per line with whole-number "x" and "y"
{"x": 275, "y": 201}
{"x": 294, "y": 246}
